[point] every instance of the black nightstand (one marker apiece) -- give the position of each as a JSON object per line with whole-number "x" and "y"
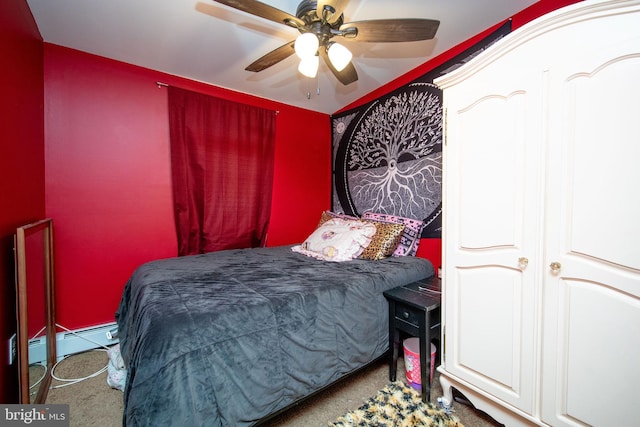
{"x": 415, "y": 310}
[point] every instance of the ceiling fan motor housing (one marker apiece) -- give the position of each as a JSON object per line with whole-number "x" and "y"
{"x": 307, "y": 11}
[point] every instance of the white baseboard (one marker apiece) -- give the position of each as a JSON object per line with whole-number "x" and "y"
{"x": 73, "y": 342}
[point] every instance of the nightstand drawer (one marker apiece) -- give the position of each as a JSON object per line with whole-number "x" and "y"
{"x": 408, "y": 314}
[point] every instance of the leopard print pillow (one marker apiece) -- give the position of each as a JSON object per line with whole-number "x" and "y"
{"x": 410, "y": 238}
{"x": 384, "y": 241}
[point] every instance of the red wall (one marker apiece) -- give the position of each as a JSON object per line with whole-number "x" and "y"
{"x": 302, "y": 176}
{"x": 108, "y": 184}
{"x": 21, "y": 160}
{"x": 432, "y": 248}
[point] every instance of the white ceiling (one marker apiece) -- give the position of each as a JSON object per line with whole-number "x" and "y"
{"x": 213, "y": 43}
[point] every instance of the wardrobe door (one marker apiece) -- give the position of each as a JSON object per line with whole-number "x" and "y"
{"x": 492, "y": 224}
{"x": 592, "y": 289}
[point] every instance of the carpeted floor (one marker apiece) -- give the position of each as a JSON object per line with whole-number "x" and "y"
{"x": 93, "y": 403}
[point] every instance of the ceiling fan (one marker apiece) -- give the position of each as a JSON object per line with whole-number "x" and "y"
{"x": 322, "y": 20}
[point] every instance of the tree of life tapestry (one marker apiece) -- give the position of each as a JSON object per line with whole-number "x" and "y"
{"x": 387, "y": 154}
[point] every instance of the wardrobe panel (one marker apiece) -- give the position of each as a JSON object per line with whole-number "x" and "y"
{"x": 605, "y": 138}
{"x": 496, "y": 358}
{"x": 490, "y": 188}
{"x": 598, "y": 353}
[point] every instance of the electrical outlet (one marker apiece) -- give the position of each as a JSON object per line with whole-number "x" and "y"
{"x": 13, "y": 349}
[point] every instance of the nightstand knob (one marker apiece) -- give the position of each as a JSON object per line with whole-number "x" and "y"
{"x": 405, "y": 314}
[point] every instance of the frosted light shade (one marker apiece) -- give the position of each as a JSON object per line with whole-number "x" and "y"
{"x": 309, "y": 66}
{"x": 306, "y": 45}
{"x": 339, "y": 56}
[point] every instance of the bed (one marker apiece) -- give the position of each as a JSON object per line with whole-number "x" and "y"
{"x": 230, "y": 337}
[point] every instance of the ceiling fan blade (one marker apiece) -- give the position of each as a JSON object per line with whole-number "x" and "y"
{"x": 272, "y": 57}
{"x": 391, "y": 30}
{"x": 264, "y": 11}
{"x": 330, "y": 10}
{"x": 347, "y": 76}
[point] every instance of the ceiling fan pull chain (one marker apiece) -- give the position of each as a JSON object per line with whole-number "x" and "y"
{"x": 318, "y": 83}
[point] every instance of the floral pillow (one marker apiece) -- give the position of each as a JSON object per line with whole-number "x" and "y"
{"x": 410, "y": 239}
{"x": 337, "y": 240}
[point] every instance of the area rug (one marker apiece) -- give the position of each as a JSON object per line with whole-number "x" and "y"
{"x": 397, "y": 405}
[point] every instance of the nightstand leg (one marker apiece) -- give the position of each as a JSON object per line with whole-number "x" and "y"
{"x": 425, "y": 359}
{"x": 394, "y": 342}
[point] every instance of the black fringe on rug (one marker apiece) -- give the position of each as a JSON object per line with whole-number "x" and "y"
{"x": 397, "y": 405}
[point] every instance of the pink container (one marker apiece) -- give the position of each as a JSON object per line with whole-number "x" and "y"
{"x": 412, "y": 361}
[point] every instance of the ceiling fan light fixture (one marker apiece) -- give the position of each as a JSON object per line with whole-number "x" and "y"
{"x": 339, "y": 56}
{"x": 306, "y": 45}
{"x": 309, "y": 66}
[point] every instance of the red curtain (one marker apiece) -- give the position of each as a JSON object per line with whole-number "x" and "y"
{"x": 222, "y": 170}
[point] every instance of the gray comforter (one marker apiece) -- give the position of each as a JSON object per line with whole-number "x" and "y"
{"x": 227, "y": 338}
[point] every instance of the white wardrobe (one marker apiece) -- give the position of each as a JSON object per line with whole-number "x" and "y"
{"x": 541, "y": 230}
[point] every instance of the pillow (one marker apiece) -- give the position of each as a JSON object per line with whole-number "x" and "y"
{"x": 410, "y": 240}
{"x": 327, "y": 215}
{"x": 337, "y": 240}
{"x": 384, "y": 242}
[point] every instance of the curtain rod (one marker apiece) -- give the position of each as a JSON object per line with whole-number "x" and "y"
{"x": 161, "y": 84}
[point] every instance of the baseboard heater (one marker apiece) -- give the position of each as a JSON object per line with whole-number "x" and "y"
{"x": 75, "y": 341}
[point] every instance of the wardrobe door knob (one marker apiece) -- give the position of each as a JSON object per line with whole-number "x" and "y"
{"x": 555, "y": 267}
{"x": 523, "y": 262}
